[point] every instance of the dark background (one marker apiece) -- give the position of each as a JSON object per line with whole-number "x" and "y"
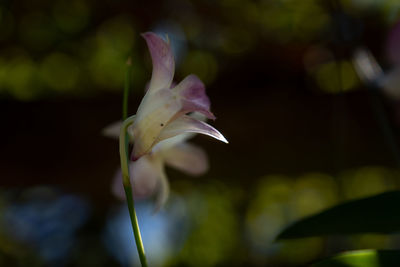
{"x": 305, "y": 132}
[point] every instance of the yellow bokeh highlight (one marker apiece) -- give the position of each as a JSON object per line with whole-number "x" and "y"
{"x": 364, "y": 241}
{"x": 60, "y": 72}
{"x": 367, "y": 181}
{"x": 280, "y": 200}
{"x": 312, "y": 193}
{"x": 110, "y": 49}
{"x": 336, "y": 77}
{"x": 300, "y": 251}
{"x": 289, "y": 20}
{"x": 202, "y": 63}
{"x": 20, "y": 78}
{"x": 211, "y": 239}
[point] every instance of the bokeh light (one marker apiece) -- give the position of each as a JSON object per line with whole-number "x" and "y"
{"x": 289, "y": 96}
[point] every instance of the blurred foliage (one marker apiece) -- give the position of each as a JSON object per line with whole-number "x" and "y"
{"x": 60, "y": 48}
{"x": 363, "y": 258}
{"x": 212, "y": 223}
{"x": 201, "y": 226}
{"x": 281, "y": 200}
{"x": 76, "y": 48}
{"x": 375, "y": 214}
{"x": 368, "y": 181}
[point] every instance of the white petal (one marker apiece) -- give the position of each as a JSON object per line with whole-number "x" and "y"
{"x": 186, "y": 124}
{"x": 187, "y": 158}
{"x": 145, "y": 175}
{"x": 153, "y": 115}
{"x": 173, "y": 141}
{"x": 113, "y": 130}
{"x": 366, "y": 66}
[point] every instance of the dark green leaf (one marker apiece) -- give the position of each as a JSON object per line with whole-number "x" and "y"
{"x": 363, "y": 258}
{"x": 376, "y": 214}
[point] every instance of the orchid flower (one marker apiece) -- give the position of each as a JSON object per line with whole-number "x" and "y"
{"x": 167, "y": 116}
{"x": 162, "y": 114}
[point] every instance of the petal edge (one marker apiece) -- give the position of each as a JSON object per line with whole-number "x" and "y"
{"x": 162, "y": 60}
{"x": 186, "y": 124}
{"x": 193, "y": 96}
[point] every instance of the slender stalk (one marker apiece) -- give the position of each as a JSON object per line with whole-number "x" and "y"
{"x": 123, "y": 152}
{"x": 123, "y": 145}
{"x": 127, "y": 85}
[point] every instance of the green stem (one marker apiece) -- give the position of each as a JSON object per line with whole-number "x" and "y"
{"x": 128, "y": 75}
{"x": 123, "y": 145}
{"x": 123, "y": 150}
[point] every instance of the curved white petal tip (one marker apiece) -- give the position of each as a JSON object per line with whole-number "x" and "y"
{"x": 186, "y": 124}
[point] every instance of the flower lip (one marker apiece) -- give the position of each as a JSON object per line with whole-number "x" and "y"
{"x": 192, "y": 93}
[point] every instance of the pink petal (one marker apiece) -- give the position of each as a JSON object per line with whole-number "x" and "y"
{"x": 187, "y": 158}
{"x": 163, "y": 61}
{"x": 193, "y": 96}
{"x": 186, "y": 124}
{"x": 144, "y": 175}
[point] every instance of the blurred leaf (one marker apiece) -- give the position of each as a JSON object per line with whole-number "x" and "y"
{"x": 363, "y": 258}
{"x": 376, "y": 214}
